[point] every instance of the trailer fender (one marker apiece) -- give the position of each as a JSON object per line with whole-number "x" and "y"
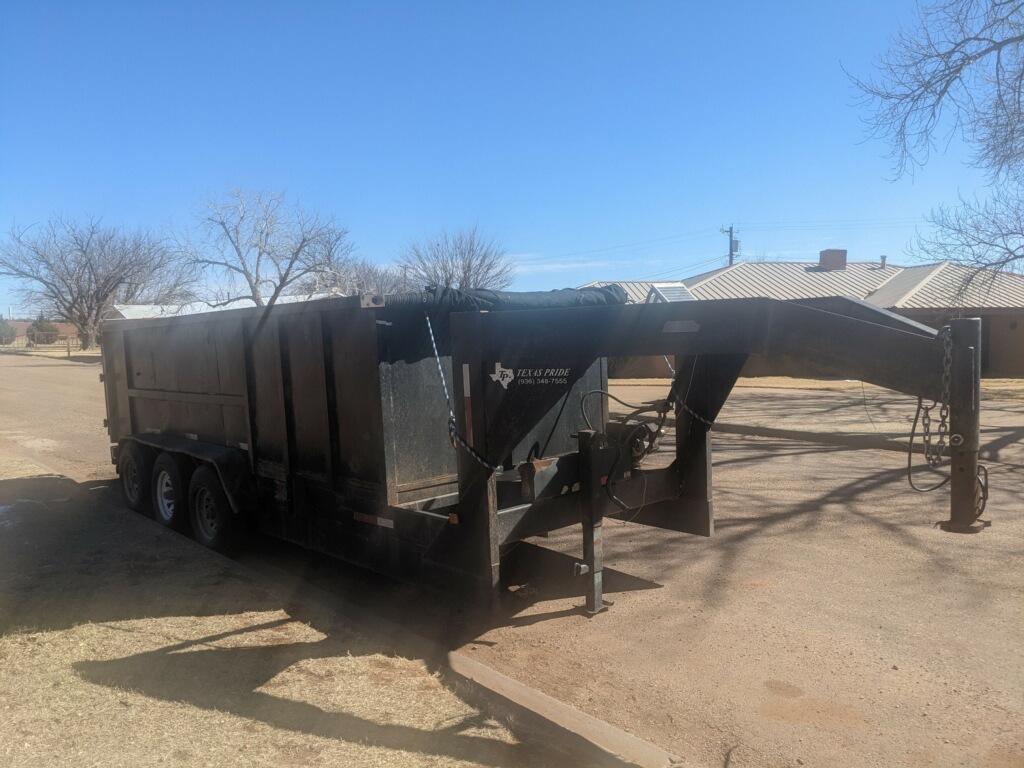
{"x": 231, "y": 464}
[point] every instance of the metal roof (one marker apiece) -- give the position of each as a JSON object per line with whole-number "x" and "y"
{"x": 942, "y": 285}
{"x": 689, "y": 282}
{"x": 790, "y": 280}
{"x": 674, "y": 291}
{"x": 888, "y": 294}
{"x": 636, "y": 290}
{"x": 947, "y": 285}
{"x": 145, "y": 311}
{"x": 639, "y": 291}
{"x": 148, "y": 311}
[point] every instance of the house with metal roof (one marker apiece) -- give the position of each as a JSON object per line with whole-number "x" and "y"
{"x": 928, "y": 293}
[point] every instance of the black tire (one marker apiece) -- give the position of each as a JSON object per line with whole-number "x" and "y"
{"x": 135, "y": 468}
{"x": 210, "y": 512}
{"x": 169, "y": 491}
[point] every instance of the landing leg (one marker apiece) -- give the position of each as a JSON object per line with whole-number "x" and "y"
{"x": 964, "y": 427}
{"x": 592, "y": 490}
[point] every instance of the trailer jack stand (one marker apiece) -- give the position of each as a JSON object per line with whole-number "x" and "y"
{"x": 968, "y": 486}
{"x": 592, "y": 490}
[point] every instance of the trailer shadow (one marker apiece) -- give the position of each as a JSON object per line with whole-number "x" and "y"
{"x": 234, "y": 680}
{"x": 867, "y": 414}
{"x": 70, "y": 556}
{"x": 749, "y": 513}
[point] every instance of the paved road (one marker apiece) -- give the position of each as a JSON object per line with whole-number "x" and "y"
{"x": 827, "y": 623}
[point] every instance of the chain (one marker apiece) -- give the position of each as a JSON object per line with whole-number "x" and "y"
{"x": 457, "y": 440}
{"x": 935, "y": 446}
{"x": 981, "y": 492}
{"x": 706, "y": 422}
{"x": 947, "y": 375}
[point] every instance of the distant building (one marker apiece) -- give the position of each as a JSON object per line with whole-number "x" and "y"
{"x": 927, "y": 293}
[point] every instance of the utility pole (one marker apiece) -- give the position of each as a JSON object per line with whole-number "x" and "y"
{"x": 734, "y": 244}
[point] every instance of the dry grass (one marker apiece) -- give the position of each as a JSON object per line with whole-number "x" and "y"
{"x": 55, "y": 353}
{"x": 178, "y": 690}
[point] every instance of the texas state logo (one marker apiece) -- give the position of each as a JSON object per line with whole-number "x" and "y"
{"x": 503, "y": 376}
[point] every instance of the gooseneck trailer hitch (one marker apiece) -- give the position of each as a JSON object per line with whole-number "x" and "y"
{"x": 710, "y": 342}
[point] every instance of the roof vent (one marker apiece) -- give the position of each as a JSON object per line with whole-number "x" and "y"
{"x": 881, "y": 260}
{"x": 832, "y": 258}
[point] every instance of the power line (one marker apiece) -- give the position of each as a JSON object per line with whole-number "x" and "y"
{"x": 683, "y": 236}
{"x": 762, "y": 226}
{"x": 679, "y": 269}
{"x": 759, "y": 226}
{"x": 809, "y": 226}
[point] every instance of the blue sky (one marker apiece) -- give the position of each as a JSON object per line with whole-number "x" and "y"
{"x": 594, "y": 140}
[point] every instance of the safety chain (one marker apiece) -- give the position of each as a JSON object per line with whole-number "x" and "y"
{"x": 934, "y": 452}
{"x": 453, "y": 431}
{"x": 935, "y": 449}
{"x": 981, "y": 492}
{"x": 706, "y": 422}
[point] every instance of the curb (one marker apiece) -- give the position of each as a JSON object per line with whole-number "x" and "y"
{"x": 581, "y": 738}
{"x": 605, "y": 743}
{"x": 537, "y": 719}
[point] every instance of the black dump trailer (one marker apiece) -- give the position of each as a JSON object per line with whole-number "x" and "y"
{"x": 426, "y": 432}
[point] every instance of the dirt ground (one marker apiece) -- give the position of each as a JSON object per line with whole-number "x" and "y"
{"x": 827, "y": 623}
{"x": 122, "y": 644}
{"x": 844, "y": 412}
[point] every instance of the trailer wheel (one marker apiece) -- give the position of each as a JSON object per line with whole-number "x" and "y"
{"x": 211, "y": 515}
{"x": 135, "y": 468}
{"x": 170, "y": 491}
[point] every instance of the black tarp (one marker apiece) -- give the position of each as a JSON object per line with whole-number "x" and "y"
{"x": 438, "y": 300}
{"x": 406, "y": 332}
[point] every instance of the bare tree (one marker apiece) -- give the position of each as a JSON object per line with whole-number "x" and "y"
{"x": 985, "y": 234}
{"x": 169, "y": 279}
{"x": 374, "y": 278}
{"x": 960, "y": 73}
{"x": 75, "y": 271}
{"x": 260, "y": 249}
{"x": 461, "y": 260}
{"x": 355, "y": 277}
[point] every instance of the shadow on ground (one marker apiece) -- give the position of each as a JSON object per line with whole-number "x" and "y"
{"x": 71, "y": 555}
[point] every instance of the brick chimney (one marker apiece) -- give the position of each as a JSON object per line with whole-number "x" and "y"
{"x": 832, "y": 258}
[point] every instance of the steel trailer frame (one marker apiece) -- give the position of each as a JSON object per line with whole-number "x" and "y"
{"x": 327, "y": 418}
{"x": 711, "y": 341}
